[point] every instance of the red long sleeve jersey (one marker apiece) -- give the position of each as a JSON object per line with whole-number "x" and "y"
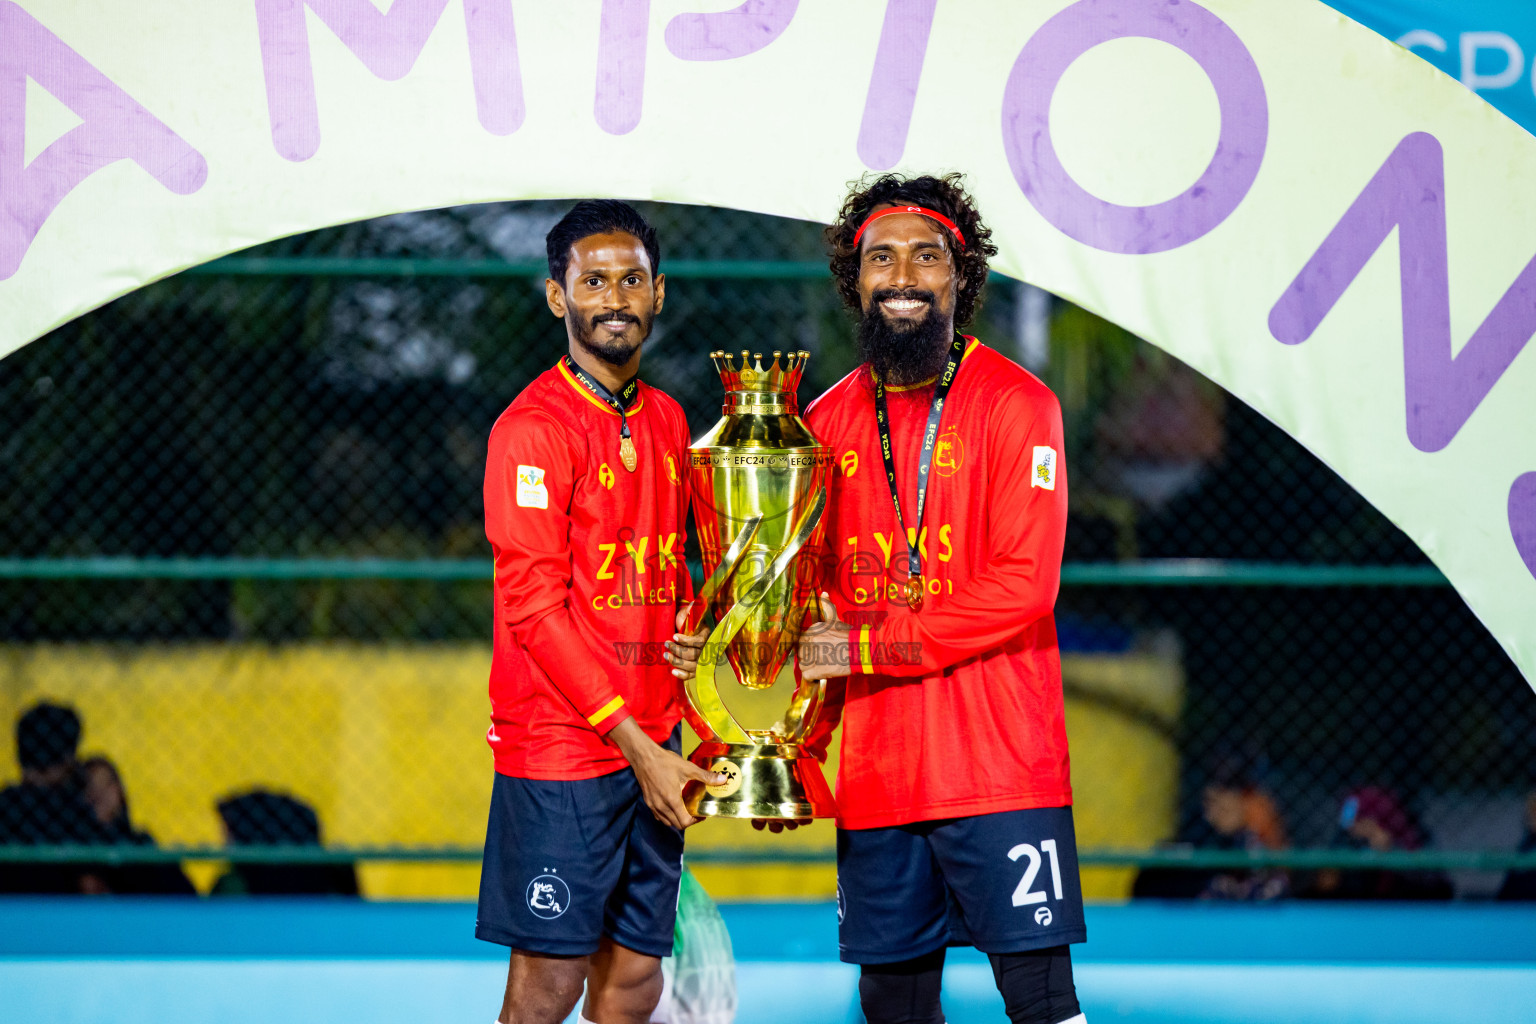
{"x": 589, "y": 575}
{"x": 955, "y": 709}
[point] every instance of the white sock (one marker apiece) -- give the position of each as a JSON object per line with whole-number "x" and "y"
{"x": 663, "y": 1012}
{"x": 1081, "y": 1018}
{"x": 582, "y": 1020}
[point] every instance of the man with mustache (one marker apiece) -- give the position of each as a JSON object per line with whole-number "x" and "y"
{"x": 584, "y": 508}
{"x": 954, "y": 801}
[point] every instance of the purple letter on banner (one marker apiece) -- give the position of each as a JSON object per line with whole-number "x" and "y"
{"x": 1408, "y": 193}
{"x": 116, "y": 128}
{"x": 1522, "y": 518}
{"x": 388, "y": 45}
{"x": 893, "y": 83}
{"x": 729, "y": 34}
{"x": 493, "y": 65}
{"x": 621, "y": 43}
{"x": 1135, "y": 230}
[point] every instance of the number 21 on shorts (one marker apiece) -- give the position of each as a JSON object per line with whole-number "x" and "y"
{"x": 1023, "y": 895}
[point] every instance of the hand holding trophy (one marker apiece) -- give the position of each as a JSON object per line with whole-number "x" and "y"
{"x": 758, "y": 480}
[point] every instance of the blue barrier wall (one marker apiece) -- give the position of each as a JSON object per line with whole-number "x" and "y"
{"x": 307, "y": 962}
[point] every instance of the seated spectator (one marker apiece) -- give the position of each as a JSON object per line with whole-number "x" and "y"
{"x": 1373, "y": 818}
{"x": 46, "y": 808}
{"x": 102, "y": 789}
{"x": 264, "y": 818}
{"x": 1236, "y": 814}
{"x": 1521, "y": 885}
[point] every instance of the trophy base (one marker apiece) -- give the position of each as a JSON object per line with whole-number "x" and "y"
{"x": 777, "y": 781}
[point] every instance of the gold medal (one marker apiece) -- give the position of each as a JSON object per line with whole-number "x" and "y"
{"x": 628, "y": 395}
{"x": 915, "y": 592}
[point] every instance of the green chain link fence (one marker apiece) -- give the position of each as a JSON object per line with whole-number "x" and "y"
{"x": 240, "y": 535}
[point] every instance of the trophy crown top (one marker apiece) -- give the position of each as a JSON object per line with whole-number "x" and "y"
{"x": 753, "y": 376}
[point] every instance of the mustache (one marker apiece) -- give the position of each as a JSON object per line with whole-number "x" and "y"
{"x": 885, "y": 294}
{"x": 603, "y": 318}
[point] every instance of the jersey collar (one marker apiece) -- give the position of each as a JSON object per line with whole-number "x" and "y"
{"x": 575, "y": 386}
{"x": 970, "y": 347}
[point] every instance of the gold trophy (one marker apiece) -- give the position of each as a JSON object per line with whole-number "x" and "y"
{"x": 759, "y": 486}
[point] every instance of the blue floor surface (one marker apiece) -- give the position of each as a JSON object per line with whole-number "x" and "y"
{"x": 307, "y": 962}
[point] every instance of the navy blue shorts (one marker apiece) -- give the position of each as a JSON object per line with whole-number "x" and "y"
{"x": 1004, "y": 883}
{"x": 567, "y": 862}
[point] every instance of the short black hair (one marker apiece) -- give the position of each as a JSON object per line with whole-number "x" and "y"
{"x": 47, "y": 735}
{"x": 597, "y": 217}
{"x": 265, "y": 817}
{"x": 948, "y": 196}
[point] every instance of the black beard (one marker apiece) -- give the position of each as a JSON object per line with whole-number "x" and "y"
{"x": 614, "y": 353}
{"x": 903, "y": 352}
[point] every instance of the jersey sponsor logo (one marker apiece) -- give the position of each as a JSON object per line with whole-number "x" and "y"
{"x": 548, "y": 897}
{"x": 647, "y": 570}
{"x": 667, "y": 554}
{"x": 887, "y": 544}
{"x": 867, "y": 579}
{"x": 672, "y": 469}
{"x": 605, "y": 476}
{"x": 949, "y": 453}
{"x": 849, "y": 463}
{"x": 1044, "y": 472}
{"x": 531, "y": 492}
{"x": 635, "y": 597}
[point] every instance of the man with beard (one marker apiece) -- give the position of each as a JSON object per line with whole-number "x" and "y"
{"x": 584, "y": 508}
{"x": 946, "y": 522}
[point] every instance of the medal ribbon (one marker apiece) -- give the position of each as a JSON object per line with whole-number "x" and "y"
{"x": 619, "y": 403}
{"x": 925, "y": 457}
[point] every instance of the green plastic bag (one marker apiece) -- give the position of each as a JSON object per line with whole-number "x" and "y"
{"x": 700, "y": 975}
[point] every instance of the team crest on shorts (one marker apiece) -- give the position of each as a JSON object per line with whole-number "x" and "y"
{"x": 1043, "y": 916}
{"x": 842, "y": 904}
{"x": 548, "y": 897}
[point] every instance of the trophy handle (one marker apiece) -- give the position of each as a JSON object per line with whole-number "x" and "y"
{"x": 729, "y": 563}
{"x": 803, "y": 709}
{"x": 703, "y": 692}
{"x": 704, "y": 709}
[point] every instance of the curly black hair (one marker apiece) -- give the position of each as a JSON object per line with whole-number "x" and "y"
{"x": 945, "y": 194}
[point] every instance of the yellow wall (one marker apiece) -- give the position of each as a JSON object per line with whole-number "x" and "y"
{"x": 387, "y": 744}
{"x": 1122, "y": 711}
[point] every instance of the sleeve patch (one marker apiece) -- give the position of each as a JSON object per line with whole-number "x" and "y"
{"x": 1043, "y": 474}
{"x": 530, "y": 488}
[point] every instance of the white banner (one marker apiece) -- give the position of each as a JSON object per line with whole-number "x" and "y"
{"x": 1301, "y": 209}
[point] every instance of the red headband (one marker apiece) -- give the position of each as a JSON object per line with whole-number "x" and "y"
{"x": 936, "y": 215}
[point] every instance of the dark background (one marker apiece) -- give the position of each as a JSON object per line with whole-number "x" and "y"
{"x": 316, "y": 412}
